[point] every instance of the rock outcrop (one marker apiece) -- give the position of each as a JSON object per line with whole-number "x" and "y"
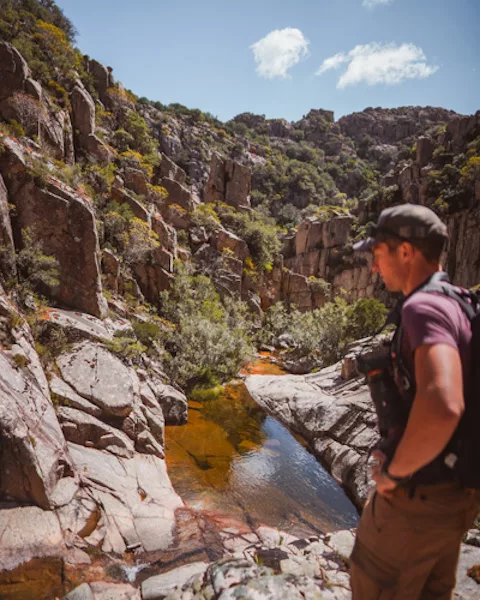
{"x": 34, "y": 460}
{"x": 82, "y": 443}
{"x": 391, "y": 125}
{"x": 229, "y": 182}
{"x": 63, "y": 222}
{"x": 321, "y": 249}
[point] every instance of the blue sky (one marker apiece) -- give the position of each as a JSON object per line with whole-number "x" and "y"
{"x": 281, "y": 58}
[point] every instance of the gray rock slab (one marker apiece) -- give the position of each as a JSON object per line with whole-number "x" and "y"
{"x": 174, "y": 403}
{"x": 157, "y": 587}
{"x": 64, "y": 394}
{"x": 137, "y": 498}
{"x": 86, "y": 430}
{"x": 99, "y": 376}
{"x": 77, "y": 325}
{"x": 28, "y": 532}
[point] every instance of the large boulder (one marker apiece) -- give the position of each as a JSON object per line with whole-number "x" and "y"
{"x": 83, "y": 114}
{"x": 314, "y": 234}
{"x": 226, "y": 240}
{"x": 152, "y": 276}
{"x": 178, "y": 194}
{"x": 101, "y": 377}
{"x": 86, "y": 430}
{"x": 425, "y": 149}
{"x": 167, "y": 235}
{"x": 63, "y": 222}
{"x": 83, "y": 111}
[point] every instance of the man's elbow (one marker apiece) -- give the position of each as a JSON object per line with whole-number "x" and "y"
{"x": 451, "y": 407}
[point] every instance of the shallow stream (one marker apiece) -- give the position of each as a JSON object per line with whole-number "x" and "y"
{"x": 233, "y": 461}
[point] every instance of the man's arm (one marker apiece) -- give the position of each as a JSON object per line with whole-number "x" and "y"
{"x": 436, "y": 410}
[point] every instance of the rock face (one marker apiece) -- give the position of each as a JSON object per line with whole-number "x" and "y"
{"x": 320, "y": 249}
{"x": 229, "y": 182}
{"x": 83, "y": 113}
{"x": 64, "y": 224}
{"x": 168, "y": 169}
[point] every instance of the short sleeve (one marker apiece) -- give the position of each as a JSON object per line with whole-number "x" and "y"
{"x": 430, "y": 319}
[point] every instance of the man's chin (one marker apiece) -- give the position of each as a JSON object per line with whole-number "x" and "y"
{"x": 392, "y": 287}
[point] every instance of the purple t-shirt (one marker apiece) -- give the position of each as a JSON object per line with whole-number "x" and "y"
{"x": 434, "y": 319}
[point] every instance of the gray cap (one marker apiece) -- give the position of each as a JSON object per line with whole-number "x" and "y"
{"x": 407, "y": 222}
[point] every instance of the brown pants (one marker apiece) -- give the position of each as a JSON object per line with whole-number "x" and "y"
{"x": 407, "y": 547}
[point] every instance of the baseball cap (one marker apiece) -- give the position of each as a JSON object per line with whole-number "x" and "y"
{"x": 407, "y": 222}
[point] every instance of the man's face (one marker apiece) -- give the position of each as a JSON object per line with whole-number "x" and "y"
{"x": 389, "y": 265}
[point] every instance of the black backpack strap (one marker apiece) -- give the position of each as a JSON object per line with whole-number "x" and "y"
{"x": 439, "y": 283}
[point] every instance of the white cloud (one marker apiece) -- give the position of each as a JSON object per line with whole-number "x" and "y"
{"x": 279, "y": 51}
{"x": 333, "y": 62}
{"x": 380, "y": 63}
{"x": 374, "y": 3}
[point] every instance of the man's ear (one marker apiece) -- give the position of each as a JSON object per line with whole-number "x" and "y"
{"x": 406, "y": 251}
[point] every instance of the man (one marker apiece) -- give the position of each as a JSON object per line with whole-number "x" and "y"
{"x": 409, "y": 535}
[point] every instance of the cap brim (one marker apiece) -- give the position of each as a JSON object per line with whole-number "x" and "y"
{"x": 365, "y": 245}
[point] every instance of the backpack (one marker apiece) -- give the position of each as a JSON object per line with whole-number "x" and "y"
{"x": 462, "y": 455}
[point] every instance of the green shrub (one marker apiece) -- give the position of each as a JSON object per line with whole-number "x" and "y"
{"x": 325, "y": 332}
{"x": 126, "y": 347}
{"x": 35, "y": 268}
{"x": 365, "y": 317}
{"x": 205, "y": 216}
{"x": 141, "y": 138}
{"x": 20, "y": 360}
{"x": 210, "y": 342}
{"x": 146, "y": 332}
{"x": 16, "y": 129}
{"x": 257, "y": 230}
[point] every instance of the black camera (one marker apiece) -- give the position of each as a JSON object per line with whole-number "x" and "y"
{"x": 377, "y": 366}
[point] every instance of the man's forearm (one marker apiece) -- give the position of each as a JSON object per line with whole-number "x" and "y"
{"x": 426, "y": 435}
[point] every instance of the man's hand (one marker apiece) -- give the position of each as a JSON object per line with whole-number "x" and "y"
{"x": 385, "y": 486}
